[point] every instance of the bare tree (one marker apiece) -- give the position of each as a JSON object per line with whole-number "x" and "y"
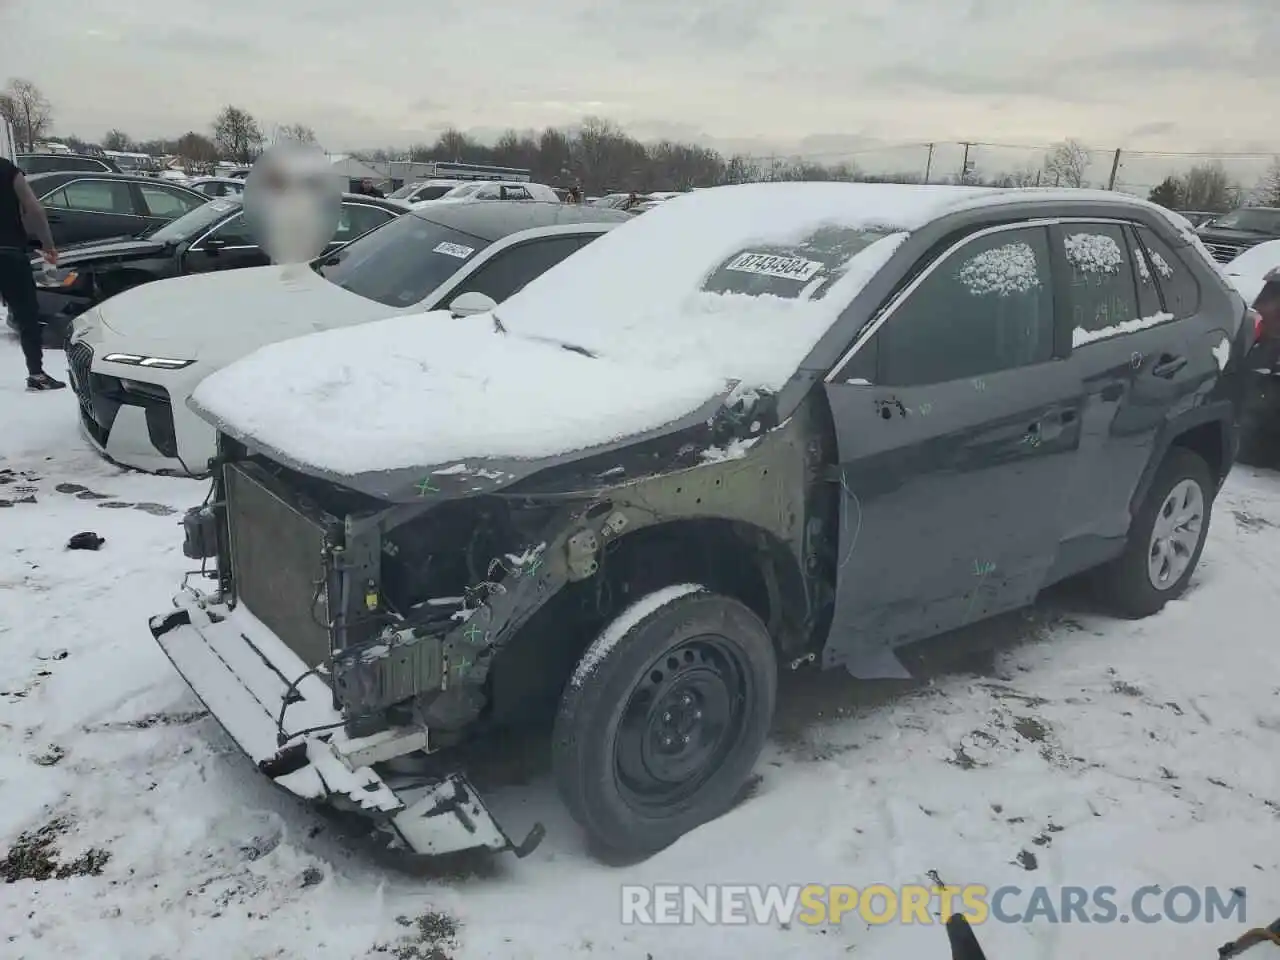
{"x": 298, "y": 132}
{"x": 237, "y": 134}
{"x": 1066, "y": 163}
{"x": 1267, "y": 192}
{"x": 1207, "y": 187}
{"x": 198, "y": 152}
{"x": 27, "y": 110}
{"x": 116, "y": 139}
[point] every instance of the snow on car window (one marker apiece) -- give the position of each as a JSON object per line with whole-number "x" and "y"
{"x": 1144, "y": 272}
{"x": 796, "y": 271}
{"x": 1094, "y": 253}
{"x": 1162, "y": 265}
{"x": 1003, "y": 271}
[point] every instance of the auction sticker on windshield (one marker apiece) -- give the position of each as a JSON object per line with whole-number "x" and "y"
{"x": 769, "y": 265}
{"x": 454, "y": 250}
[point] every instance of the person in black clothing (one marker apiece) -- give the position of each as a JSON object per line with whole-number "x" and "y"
{"x": 20, "y": 214}
{"x": 369, "y": 190}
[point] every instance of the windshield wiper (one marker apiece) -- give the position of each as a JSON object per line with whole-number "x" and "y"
{"x": 574, "y": 348}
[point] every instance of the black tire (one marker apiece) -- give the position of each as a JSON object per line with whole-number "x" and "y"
{"x": 698, "y": 653}
{"x": 1125, "y": 582}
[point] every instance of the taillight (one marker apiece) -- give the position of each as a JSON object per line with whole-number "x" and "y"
{"x": 1257, "y": 324}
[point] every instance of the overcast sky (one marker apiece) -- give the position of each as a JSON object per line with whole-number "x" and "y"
{"x": 818, "y": 76}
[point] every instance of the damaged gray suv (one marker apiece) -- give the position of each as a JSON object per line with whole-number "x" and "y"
{"x": 761, "y": 427}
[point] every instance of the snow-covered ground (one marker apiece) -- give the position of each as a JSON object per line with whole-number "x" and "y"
{"x": 1094, "y": 752}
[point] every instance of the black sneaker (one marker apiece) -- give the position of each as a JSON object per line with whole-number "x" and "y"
{"x": 42, "y": 381}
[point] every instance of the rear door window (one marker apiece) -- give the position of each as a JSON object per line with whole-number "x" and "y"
{"x": 1102, "y": 293}
{"x": 1177, "y": 281}
{"x": 167, "y": 202}
{"x": 513, "y": 268}
{"x": 357, "y": 219}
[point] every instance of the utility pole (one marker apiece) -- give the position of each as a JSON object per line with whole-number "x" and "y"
{"x": 928, "y": 164}
{"x": 1115, "y": 168}
{"x": 964, "y": 166}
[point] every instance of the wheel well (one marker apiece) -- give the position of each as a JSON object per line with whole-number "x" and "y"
{"x": 1206, "y": 441}
{"x": 729, "y": 557}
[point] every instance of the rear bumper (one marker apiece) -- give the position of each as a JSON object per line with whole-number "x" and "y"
{"x": 245, "y": 674}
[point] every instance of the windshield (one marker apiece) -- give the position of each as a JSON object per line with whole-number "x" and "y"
{"x": 198, "y": 220}
{"x": 466, "y": 190}
{"x": 1252, "y": 219}
{"x": 404, "y": 192}
{"x": 801, "y": 271}
{"x": 402, "y": 262}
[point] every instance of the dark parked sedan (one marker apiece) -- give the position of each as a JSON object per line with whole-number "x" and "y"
{"x": 211, "y": 237}
{"x": 86, "y": 205}
{"x": 33, "y": 163}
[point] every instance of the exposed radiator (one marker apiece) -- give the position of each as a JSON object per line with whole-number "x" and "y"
{"x": 277, "y": 563}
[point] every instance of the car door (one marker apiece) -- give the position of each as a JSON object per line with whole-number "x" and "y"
{"x": 1132, "y": 360}
{"x": 957, "y": 422}
{"x": 509, "y": 270}
{"x": 164, "y": 203}
{"x": 91, "y": 209}
{"x": 228, "y": 246}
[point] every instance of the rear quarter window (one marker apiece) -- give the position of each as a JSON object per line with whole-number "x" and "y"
{"x": 1177, "y": 281}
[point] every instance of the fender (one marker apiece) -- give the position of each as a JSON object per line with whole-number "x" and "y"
{"x": 1219, "y": 412}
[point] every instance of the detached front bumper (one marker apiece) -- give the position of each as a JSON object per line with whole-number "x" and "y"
{"x": 283, "y": 717}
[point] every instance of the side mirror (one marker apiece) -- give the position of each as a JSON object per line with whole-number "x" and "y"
{"x": 470, "y": 303}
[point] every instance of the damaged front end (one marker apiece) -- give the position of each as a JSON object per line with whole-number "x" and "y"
{"x": 315, "y": 657}
{"x": 348, "y": 640}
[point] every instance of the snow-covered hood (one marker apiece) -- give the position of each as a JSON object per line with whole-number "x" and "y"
{"x": 222, "y": 316}
{"x": 435, "y": 395}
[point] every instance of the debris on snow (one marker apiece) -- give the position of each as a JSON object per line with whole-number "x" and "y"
{"x": 34, "y": 856}
{"x": 733, "y": 450}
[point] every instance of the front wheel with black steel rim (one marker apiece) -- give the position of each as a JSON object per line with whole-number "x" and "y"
{"x": 664, "y": 718}
{"x": 1166, "y": 537}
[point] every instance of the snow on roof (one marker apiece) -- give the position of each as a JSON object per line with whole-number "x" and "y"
{"x": 636, "y": 292}
{"x": 426, "y": 389}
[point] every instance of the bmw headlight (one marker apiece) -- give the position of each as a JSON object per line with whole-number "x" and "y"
{"x": 140, "y": 360}
{"x": 58, "y": 279}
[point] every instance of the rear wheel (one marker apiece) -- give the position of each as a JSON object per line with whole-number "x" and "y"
{"x": 1166, "y": 537}
{"x": 664, "y": 719}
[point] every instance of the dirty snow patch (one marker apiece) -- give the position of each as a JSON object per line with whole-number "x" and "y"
{"x": 733, "y": 450}
{"x": 1094, "y": 253}
{"x": 1003, "y": 271}
{"x": 1080, "y": 336}
{"x": 621, "y": 626}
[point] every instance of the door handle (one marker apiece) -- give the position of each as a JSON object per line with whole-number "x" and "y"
{"x": 53, "y": 217}
{"x": 1168, "y": 366}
